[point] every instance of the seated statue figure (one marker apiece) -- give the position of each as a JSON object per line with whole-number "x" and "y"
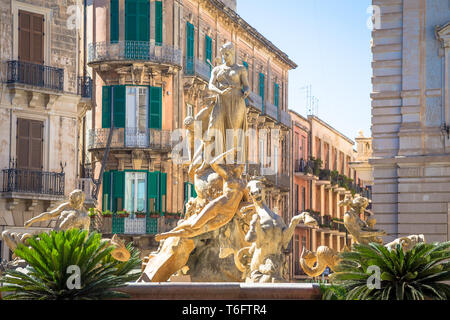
{"x": 218, "y": 212}
{"x": 71, "y": 214}
{"x": 269, "y": 235}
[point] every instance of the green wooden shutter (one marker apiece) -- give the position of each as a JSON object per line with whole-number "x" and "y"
{"x": 262, "y": 88}
{"x": 106, "y": 107}
{"x": 245, "y": 65}
{"x": 152, "y": 189}
{"x": 190, "y": 40}
{"x": 143, "y": 20}
{"x": 114, "y": 21}
{"x": 276, "y": 96}
{"x": 208, "y": 49}
{"x": 155, "y": 108}
{"x": 163, "y": 191}
{"x": 119, "y": 106}
{"x": 158, "y": 22}
{"x": 118, "y": 183}
{"x": 131, "y": 20}
{"x": 106, "y": 186}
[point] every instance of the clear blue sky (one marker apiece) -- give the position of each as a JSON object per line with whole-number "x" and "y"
{"x": 330, "y": 42}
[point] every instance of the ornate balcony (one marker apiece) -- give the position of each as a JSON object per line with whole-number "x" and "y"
{"x": 272, "y": 111}
{"x": 33, "y": 182}
{"x": 279, "y": 180}
{"x": 35, "y": 75}
{"x": 255, "y": 101}
{"x": 304, "y": 169}
{"x": 197, "y": 68}
{"x": 142, "y": 51}
{"x": 285, "y": 118}
{"x": 84, "y": 88}
{"x": 130, "y": 138}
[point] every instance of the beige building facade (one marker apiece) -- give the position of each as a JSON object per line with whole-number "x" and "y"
{"x": 410, "y": 118}
{"x": 42, "y": 99}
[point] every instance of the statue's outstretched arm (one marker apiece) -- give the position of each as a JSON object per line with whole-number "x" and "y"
{"x": 47, "y": 215}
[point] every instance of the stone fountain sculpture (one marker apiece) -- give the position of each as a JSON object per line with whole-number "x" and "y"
{"x": 68, "y": 215}
{"x": 217, "y": 233}
{"x": 362, "y": 231}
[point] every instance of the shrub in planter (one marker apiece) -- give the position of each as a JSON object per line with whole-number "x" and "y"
{"x": 123, "y": 214}
{"x": 49, "y": 256}
{"x": 140, "y": 215}
{"x": 107, "y": 214}
{"x": 417, "y": 274}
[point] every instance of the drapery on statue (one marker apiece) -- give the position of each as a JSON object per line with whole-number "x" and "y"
{"x": 229, "y": 82}
{"x": 71, "y": 214}
{"x": 263, "y": 261}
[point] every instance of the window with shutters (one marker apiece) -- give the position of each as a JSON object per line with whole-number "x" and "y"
{"x": 262, "y": 88}
{"x": 276, "y": 95}
{"x": 29, "y": 144}
{"x": 190, "y": 40}
{"x": 134, "y": 108}
{"x": 208, "y": 50}
{"x": 31, "y": 37}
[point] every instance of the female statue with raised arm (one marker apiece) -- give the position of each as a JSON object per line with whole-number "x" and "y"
{"x": 230, "y": 82}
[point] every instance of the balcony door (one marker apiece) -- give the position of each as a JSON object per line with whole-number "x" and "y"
{"x": 31, "y": 48}
{"x": 136, "y": 132}
{"x": 135, "y": 201}
{"x": 29, "y": 151}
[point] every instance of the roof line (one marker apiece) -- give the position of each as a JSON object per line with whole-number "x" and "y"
{"x": 331, "y": 128}
{"x": 244, "y": 24}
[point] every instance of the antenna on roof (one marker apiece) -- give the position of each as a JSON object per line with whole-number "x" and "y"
{"x": 311, "y": 103}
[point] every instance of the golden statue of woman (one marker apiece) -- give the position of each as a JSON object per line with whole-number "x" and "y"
{"x": 230, "y": 82}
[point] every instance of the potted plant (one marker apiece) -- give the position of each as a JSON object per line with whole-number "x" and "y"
{"x": 107, "y": 214}
{"x": 122, "y": 214}
{"x": 92, "y": 212}
{"x": 140, "y": 214}
{"x": 155, "y": 215}
{"x": 173, "y": 215}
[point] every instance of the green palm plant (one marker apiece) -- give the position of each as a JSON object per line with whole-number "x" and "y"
{"x": 417, "y": 274}
{"x": 49, "y": 257}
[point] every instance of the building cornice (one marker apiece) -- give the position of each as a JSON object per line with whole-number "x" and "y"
{"x": 231, "y": 14}
{"x": 312, "y": 117}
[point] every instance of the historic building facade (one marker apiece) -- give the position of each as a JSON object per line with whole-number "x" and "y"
{"x": 411, "y": 118}
{"x": 322, "y": 176}
{"x": 151, "y": 62}
{"x": 42, "y": 100}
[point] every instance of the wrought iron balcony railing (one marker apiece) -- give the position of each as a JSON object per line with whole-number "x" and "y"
{"x": 124, "y": 138}
{"x": 134, "y": 51}
{"x": 84, "y": 88}
{"x": 29, "y": 181}
{"x": 36, "y": 75}
{"x": 196, "y": 67}
{"x": 280, "y": 180}
{"x": 302, "y": 166}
